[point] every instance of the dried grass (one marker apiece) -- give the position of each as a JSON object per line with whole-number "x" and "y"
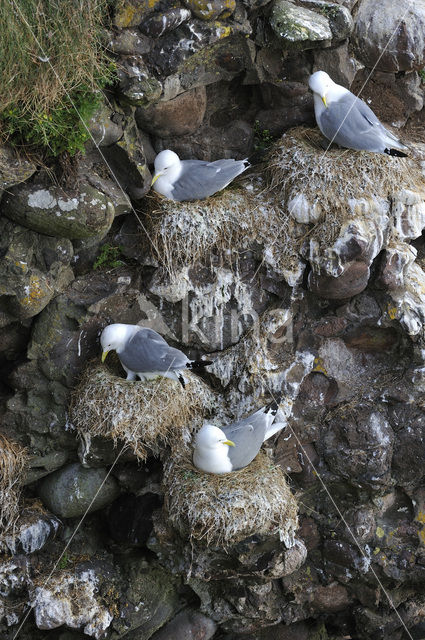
{"x": 144, "y": 415}
{"x": 13, "y": 459}
{"x": 221, "y": 510}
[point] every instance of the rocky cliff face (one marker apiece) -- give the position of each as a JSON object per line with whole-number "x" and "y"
{"x": 306, "y": 279}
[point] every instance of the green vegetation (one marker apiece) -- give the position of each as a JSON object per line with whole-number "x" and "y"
{"x": 108, "y": 258}
{"x": 51, "y": 60}
{"x": 64, "y": 561}
{"x": 422, "y": 75}
{"x": 262, "y": 138}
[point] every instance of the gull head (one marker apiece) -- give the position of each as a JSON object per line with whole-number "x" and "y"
{"x": 165, "y": 161}
{"x": 114, "y": 338}
{"x": 320, "y": 83}
{"x": 211, "y": 437}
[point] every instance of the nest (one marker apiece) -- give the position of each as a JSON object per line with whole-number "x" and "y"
{"x": 328, "y": 179}
{"x": 144, "y": 415}
{"x": 222, "y": 510}
{"x": 232, "y": 221}
{"x": 13, "y": 459}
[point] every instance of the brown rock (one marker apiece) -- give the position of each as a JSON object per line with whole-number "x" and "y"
{"x": 372, "y": 339}
{"x": 177, "y": 117}
{"x": 349, "y": 284}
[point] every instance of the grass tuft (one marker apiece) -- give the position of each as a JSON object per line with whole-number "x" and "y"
{"x": 13, "y": 459}
{"x": 51, "y": 56}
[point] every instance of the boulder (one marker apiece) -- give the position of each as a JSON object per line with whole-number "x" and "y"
{"x": 177, "y": 117}
{"x": 69, "y": 491}
{"x": 298, "y": 27}
{"x": 80, "y": 213}
{"x": 211, "y": 9}
{"x": 380, "y": 38}
{"x": 14, "y": 169}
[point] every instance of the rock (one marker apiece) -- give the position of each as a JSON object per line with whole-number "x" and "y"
{"x": 381, "y": 40}
{"x": 33, "y": 269}
{"x": 127, "y": 160}
{"x": 332, "y": 598}
{"x": 136, "y": 84}
{"x": 103, "y": 128}
{"x": 299, "y": 28}
{"x": 13, "y": 168}
{"x": 130, "y": 12}
{"x": 177, "y": 117}
{"x": 408, "y": 423}
{"x": 73, "y": 599}
{"x": 150, "y": 597}
{"x": 338, "y": 63}
{"x": 408, "y": 301}
{"x": 68, "y": 492}
{"x": 129, "y": 42}
{"x": 14, "y": 574}
{"x": 31, "y": 532}
{"x": 84, "y": 213}
{"x": 158, "y": 24}
{"x": 296, "y": 631}
{"x": 409, "y": 214}
{"x": 211, "y": 10}
{"x": 351, "y": 282}
{"x": 187, "y": 625}
{"x": 340, "y": 20}
{"x": 358, "y": 447}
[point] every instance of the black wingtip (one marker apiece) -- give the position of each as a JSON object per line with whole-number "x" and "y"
{"x": 396, "y": 152}
{"x": 198, "y": 364}
{"x": 273, "y": 406}
{"x": 181, "y": 380}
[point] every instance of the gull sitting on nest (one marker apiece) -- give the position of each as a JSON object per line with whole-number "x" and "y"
{"x": 193, "y": 179}
{"x": 145, "y": 354}
{"x": 348, "y": 121}
{"x": 225, "y": 449}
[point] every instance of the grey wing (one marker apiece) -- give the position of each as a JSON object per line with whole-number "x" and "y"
{"x": 199, "y": 179}
{"x": 148, "y": 351}
{"x": 351, "y": 123}
{"x": 248, "y": 436}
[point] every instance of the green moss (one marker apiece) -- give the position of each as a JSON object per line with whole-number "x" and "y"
{"x": 109, "y": 257}
{"x": 262, "y": 138}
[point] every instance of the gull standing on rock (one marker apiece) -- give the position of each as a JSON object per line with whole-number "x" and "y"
{"x": 348, "y": 121}
{"x": 144, "y": 353}
{"x": 193, "y": 179}
{"x": 225, "y": 449}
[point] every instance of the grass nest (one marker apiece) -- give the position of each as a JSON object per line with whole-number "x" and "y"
{"x": 13, "y": 460}
{"x": 222, "y": 510}
{"x": 236, "y": 219}
{"x": 143, "y": 415}
{"x": 328, "y": 179}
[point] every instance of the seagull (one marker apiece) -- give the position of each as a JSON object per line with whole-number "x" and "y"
{"x": 348, "y": 121}
{"x": 221, "y": 450}
{"x": 145, "y": 354}
{"x": 193, "y": 179}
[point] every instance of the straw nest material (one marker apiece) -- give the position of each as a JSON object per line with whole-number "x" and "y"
{"x": 236, "y": 219}
{"x": 222, "y": 510}
{"x": 144, "y": 415}
{"x": 13, "y": 459}
{"x": 330, "y": 178}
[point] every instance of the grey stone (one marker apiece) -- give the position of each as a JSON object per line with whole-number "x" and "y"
{"x": 151, "y": 598}
{"x": 103, "y": 128}
{"x": 129, "y": 42}
{"x": 33, "y": 269}
{"x": 211, "y": 9}
{"x": 187, "y": 625}
{"x": 82, "y": 213}
{"x": 158, "y": 24}
{"x": 31, "y": 532}
{"x": 68, "y": 492}
{"x": 136, "y": 85}
{"x": 338, "y": 63}
{"x": 14, "y": 169}
{"x": 129, "y": 13}
{"x": 177, "y": 117}
{"x": 340, "y": 20}
{"x": 380, "y": 39}
{"x": 299, "y": 28}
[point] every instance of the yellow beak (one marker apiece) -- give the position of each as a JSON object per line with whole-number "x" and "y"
{"x": 324, "y": 101}
{"x": 230, "y": 443}
{"x": 104, "y": 354}
{"x": 155, "y": 178}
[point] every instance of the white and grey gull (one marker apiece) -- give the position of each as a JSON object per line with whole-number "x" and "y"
{"x": 348, "y": 121}
{"x": 182, "y": 180}
{"x": 145, "y": 354}
{"x": 224, "y": 449}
